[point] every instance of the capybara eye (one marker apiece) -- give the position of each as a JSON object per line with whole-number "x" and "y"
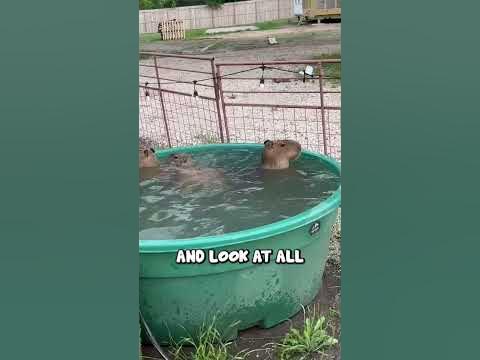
{"x": 282, "y": 145}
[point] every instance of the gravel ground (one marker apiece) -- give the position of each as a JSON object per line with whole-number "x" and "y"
{"x": 334, "y": 248}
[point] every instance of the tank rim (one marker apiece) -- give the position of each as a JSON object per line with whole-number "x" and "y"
{"x": 256, "y": 233}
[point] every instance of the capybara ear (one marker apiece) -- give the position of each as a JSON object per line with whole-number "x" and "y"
{"x": 268, "y": 143}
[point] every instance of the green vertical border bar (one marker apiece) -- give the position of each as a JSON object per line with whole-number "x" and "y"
{"x": 69, "y": 180}
{"x": 410, "y": 178}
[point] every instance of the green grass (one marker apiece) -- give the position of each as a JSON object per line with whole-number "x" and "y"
{"x": 144, "y": 57}
{"x": 208, "y": 345}
{"x": 155, "y": 37}
{"x": 200, "y": 33}
{"x": 333, "y": 71}
{"x": 272, "y": 25}
{"x": 195, "y": 34}
{"x": 207, "y": 139}
{"x": 327, "y": 56}
{"x": 150, "y": 38}
{"x": 310, "y": 340}
{"x": 267, "y": 25}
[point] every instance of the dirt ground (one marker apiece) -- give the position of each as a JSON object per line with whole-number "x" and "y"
{"x": 328, "y": 298}
{"x": 293, "y": 43}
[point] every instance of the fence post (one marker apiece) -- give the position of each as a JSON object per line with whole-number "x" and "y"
{"x": 234, "y": 13}
{"x": 322, "y": 109}
{"x": 256, "y": 11}
{"x": 217, "y": 99}
{"x": 161, "y": 102}
{"x": 220, "y": 88}
{"x": 192, "y": 19}
{"x": 278, "y": 9}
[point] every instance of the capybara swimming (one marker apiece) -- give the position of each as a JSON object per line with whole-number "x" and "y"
{"x": 189, "y": 174}
{"x": 181, "y": 160}
{"x": 148, "y": 164}
{"x": 277, "y": 154}
{"x": 147, "y": 159}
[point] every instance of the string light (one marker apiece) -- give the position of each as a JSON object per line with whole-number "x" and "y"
{"x": 308, "y": 71}
{"x": 262, "y": 80}
{"x": 147, "y": 93}
{"x": 195, "y": 92}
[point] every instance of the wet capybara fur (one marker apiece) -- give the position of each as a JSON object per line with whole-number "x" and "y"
{"x": 277, "y": 154}
{"x": 180, "y": 160}
{"x": 147, "y": 159}
{"x": 148, "y": 164}
{"x": 187, "y": 174}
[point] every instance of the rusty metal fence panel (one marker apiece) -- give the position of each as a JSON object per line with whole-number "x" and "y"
{"x": 282, "y": 99}
{"x": 169, "y": 113}
{"x": 239, "y": 102}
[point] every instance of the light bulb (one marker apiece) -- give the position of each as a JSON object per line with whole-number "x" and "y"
{"x": 262, "y": 80}
{"x": 147, "y": 93}
{"x": 195, "y": 92}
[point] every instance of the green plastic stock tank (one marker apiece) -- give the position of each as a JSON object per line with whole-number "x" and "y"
{"x": 176, "y": 299}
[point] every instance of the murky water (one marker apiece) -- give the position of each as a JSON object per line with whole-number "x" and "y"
{"x": 233, "y": 195}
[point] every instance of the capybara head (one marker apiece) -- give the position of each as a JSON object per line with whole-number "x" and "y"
{"x": 180, "y": 160}
{"x": 147, "y": 159}
{"x": 277, "y": 154}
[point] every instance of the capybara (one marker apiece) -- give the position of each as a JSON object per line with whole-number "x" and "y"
{"x": 277, "y": 154}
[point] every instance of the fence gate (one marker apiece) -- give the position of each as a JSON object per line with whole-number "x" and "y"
{"x": 179, "y": 102}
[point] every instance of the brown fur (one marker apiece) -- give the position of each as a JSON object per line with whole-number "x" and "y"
{"x": 194, "y": 176}
{"x": 148, "y": 164}
{"x": 147, "y": 159}
{"x": 181, "y": 160}
{"x": 277, "y": 154}
{"x": 188, "y": 174}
